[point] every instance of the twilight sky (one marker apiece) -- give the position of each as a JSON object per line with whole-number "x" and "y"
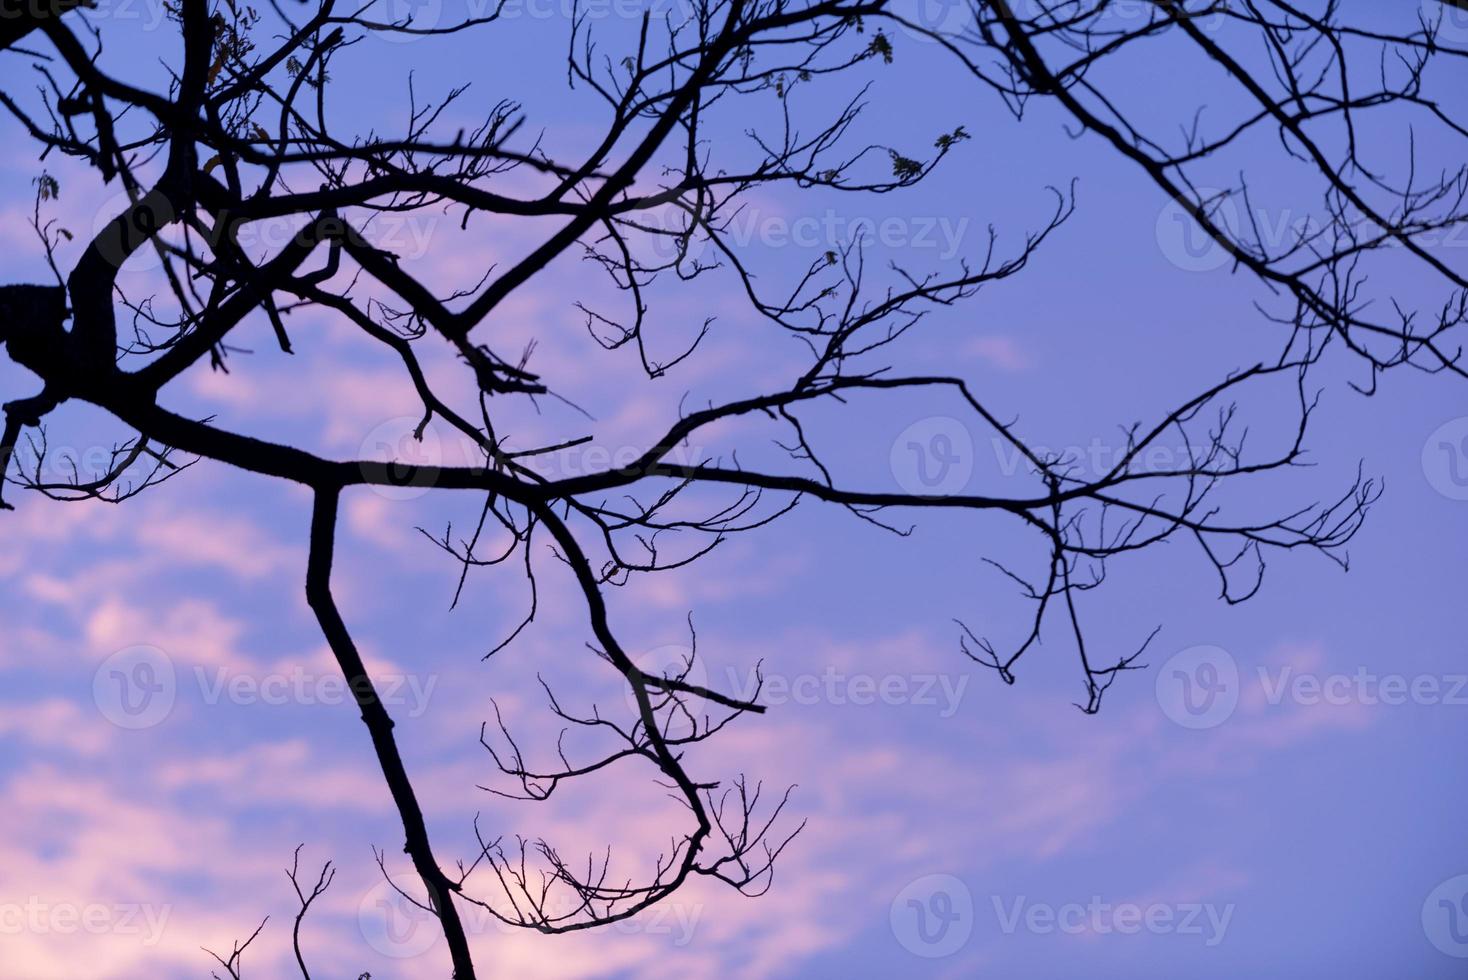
{"x": 1306, "y": 822}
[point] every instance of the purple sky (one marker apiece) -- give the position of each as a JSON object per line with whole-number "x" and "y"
{"x": 1307, "y": 826}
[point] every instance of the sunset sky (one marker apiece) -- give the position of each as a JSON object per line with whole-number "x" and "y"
{"x": 1310, "y": 825}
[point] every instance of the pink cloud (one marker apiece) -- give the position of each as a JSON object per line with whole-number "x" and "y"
{"x": 1004, "y": 353}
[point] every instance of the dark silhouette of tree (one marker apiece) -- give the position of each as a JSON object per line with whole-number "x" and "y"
{"x": 241, "y": 133}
